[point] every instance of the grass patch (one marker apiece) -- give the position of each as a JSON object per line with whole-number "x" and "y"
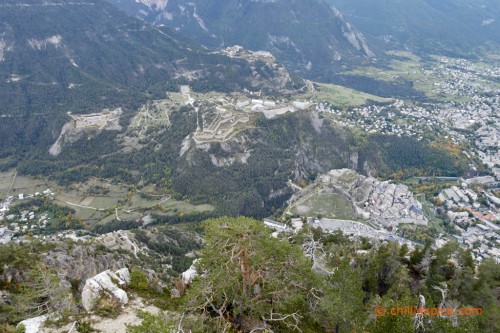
{"x": 340, "y": 97}
{"x": 20, "y": 184}
{"x": 328, "y": 205}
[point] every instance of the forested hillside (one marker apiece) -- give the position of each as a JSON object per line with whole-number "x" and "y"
{"x": 308, "y": 36}
{"x": 281, "y": 149}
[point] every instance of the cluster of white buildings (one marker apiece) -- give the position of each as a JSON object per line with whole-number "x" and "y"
{"x": 482, "y": 241}
{"x": 5, "y": 207}
{"x": 270, "y": 108}
{"x": 474, "y": 223}
{"x": 26, "y": 221}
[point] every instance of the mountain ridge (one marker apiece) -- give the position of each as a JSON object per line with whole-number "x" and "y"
{"x": 310, "y": 37}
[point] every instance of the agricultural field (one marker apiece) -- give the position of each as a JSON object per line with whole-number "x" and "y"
{"x": 98, "y": 200}
{"x": 410, "y": 69}
{"x": 13, "y": 184}
{"x": 120, "y": 202}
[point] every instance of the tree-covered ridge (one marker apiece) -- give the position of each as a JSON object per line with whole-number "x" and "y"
{"x": 249, "y": 280}
{"x": 285, "y": 148}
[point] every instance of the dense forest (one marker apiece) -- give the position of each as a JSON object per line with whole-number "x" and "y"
{"x": 403, "y": 157}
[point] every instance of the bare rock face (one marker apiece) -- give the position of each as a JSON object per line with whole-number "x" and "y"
{"x": 33, "y": 325}
{"x": 107, "y": 284}
{"x": 81, "y": 263}
{"x": 12, "y": 275}
{"x": 124, "y": 274}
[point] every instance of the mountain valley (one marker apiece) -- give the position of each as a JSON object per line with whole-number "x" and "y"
{"x": 249, "y": 166}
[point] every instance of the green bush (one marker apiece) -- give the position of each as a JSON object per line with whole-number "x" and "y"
{"x": 138, "y": 280}
{"x": 20, "y": 329}
{"x": 108, "y": 308}
{"x": 85, "y": 327}
{"x": 152, "y": 324}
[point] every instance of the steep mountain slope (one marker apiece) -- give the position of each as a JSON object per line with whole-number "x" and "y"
{"x": 456, "y": 27}
{"x": 233, "y": 152}
{"x": 308, "y": 36}
{"x": 81, "y": 57}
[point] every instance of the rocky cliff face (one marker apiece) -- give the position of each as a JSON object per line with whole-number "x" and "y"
{"x": 457, "y": 27}
{"x": 82, "y": 262}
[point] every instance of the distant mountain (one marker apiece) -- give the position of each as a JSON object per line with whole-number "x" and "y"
{"x": 454, "y": 27}
{"x": 308, "y": 36}
{"x": 81, "y": 57}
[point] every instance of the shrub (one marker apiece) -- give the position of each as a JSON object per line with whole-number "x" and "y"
{"x": 138, "y": 280}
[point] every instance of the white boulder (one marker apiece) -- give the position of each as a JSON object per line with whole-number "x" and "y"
{"x": 190, "y": 274}
{"x": 33, "y": 325}
{"x": 108, "y": 283}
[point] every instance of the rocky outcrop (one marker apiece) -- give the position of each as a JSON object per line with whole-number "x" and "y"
{"x": 33, "y": 325}
{"x": 123, "y": 274}
{"x": 73, "y": 130}
{"x": 81, "y": 262}
{"x": 12, "y": 275}
{"x": 120, "y": 240}
{"x": 186, "y": 280}
{"x": 105, "y": 284}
